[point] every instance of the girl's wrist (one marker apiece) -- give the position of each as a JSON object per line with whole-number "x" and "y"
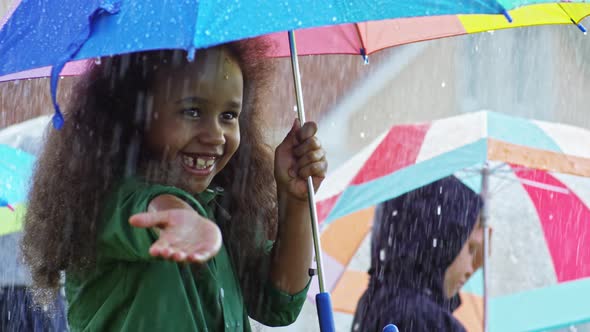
{"x": 286, "y": 197}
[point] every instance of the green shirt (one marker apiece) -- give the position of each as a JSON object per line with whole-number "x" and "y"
{"x": 129, "y": 290}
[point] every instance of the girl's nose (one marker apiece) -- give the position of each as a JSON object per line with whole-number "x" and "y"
{"x": 212, "y": 133}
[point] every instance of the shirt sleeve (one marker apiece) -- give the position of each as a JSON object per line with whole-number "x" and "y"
{"x": 118, "y": 240}
{"x": 277, "y": 308}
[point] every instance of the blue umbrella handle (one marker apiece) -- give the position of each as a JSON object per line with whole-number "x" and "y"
{"x": 325, "y": 316}
{"x": 390, "y": 328}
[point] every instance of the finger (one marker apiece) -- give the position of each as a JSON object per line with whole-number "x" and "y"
{"x": 310, "y": 158}
{"x": 294, "y": 128}
{"x": 179, "y": 256}
{"x": 157, "y": 250}
{"x": 317, "y": 169}
{"x": 167, "y": 252}
{"x": 291, "y": 138}
{"x": 199, "y": 258}
{"x": 150, "y": 219}
{"x": 317, "y": 181}
{"x": 308, "y": 130}
{"x": 310, "y": 144}
{"x": 158, "y": 246}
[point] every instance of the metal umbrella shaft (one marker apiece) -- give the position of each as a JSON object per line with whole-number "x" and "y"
{"x": 323, "y": 301}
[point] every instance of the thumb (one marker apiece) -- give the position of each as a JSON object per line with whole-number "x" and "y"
{"x": 150, "y": 219}
{"x": 294, "y": 128}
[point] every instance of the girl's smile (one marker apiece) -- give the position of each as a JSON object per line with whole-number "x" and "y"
{"x": 198, "y": 164}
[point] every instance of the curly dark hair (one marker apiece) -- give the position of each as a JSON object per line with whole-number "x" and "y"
{"x": 101, "y": 142}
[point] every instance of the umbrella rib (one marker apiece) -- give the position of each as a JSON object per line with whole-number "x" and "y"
{"x": 537, "y": 184}
{"x": 363, "y": 49}
{"x": 578, "y": 24}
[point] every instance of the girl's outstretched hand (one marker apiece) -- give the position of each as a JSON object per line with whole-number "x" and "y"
{"x": 184, "y": 235}
{"x": 299, "y": 156}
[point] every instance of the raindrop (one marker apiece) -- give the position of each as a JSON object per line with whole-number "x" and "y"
{"x": 207, "y": 32}
{"x": 434, "y": 243}
{"x": 382, "y": 255}
{"x": 394, "y": 213}
{"x": 513, "y": 259}
{"x": 97, "y": 60}
{"x": 491, "y": 32}
{"x": 334, "y": 19}
{"x": 443, "y": 84}
{"x": 173, "y": 20}
{"x": 438, "y": 210}
{"x": 295, "y": 108}
{"x": 550, "y": 217}
{"x": 363, "y": 134}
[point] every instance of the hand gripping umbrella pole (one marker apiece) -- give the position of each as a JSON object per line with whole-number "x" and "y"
{"x": 323, "y": 302}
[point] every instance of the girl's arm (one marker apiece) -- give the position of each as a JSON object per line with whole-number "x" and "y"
{"x": 293, "y": 251}
{"x": 183, "y": 234}
{"x": 299, "y": 156}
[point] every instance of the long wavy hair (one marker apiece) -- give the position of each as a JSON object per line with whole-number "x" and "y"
{"x": 101, "y": 142}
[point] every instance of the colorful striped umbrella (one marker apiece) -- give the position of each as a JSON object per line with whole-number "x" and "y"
{"x": 369, "y": 37}
{"x": 539, "y": 180}
{"x": 16, "y": 166}
{"x": 51, "y": 33}
{"x": 19, "y": 144}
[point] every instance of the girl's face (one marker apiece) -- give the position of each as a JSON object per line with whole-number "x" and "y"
{"x": 462, "y": 267}
{"x": 194, "y": 127}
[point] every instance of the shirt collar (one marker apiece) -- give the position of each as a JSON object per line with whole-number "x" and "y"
{"x": 209, "y": 194}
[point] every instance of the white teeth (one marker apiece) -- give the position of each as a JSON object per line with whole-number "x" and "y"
{"x": 198, "y": 163}
{"x": 204, "y": 163}
{"x": 188, "y": 161}
{"x": 201, "y": 163}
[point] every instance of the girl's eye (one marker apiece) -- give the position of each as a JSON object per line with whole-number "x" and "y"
{"x": 229, "y": 115}
{"x": 191, "y": 112}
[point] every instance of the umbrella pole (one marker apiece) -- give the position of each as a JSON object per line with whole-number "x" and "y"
{"x": 485, "y": 192}
{"x": 323, "y": 302}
